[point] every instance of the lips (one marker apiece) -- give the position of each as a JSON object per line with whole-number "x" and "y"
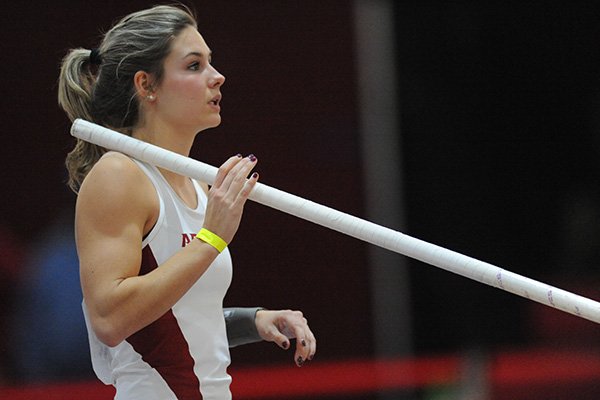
{"x": 215, "y": 100}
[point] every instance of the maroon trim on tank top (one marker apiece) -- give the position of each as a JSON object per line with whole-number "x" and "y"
{"x": 162, "y": 345}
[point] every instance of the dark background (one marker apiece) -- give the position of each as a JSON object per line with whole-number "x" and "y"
{"x": 499, "y": 130}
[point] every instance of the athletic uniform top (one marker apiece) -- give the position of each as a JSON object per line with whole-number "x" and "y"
{"x": 184, "y": 354}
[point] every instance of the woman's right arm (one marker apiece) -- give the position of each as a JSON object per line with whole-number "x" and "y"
{"x": 116, "y": 205}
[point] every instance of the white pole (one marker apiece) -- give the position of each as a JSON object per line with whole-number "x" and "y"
{"x": 361, "y": 229}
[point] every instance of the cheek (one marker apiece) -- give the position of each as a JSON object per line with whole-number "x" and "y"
{"x": 186, "y": 88}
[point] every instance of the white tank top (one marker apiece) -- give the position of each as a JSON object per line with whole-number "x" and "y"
{"x": 184, "y": 354}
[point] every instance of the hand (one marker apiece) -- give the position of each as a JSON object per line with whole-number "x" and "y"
{"x": 227, "y": 196}
{"x": 280, "y": 326}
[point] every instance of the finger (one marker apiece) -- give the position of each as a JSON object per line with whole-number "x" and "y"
{"x": 247, "y": 189}
{"x": 281, "y": 340}
{"x": 236, "y": 177}
{"x": 225, "y": 168}
{"x": 231, "y": 173}
{"x": 310, "y": 340}
{"x": 312, "y": 347}
{"x": 303, "y": 345}
{"x": 241, "y": 178}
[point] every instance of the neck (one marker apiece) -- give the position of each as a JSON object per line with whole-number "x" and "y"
{"x": 169, "y": 139}
{"x": 180, "y": 143}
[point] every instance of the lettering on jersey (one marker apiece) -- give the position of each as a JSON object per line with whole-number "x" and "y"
{"x": 186, "y": 238}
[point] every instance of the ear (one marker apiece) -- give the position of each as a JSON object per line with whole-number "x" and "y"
{"x": 144, "y": 84}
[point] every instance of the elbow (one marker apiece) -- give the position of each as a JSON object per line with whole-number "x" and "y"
{"x": 111, "y": 341}
{"x": 108, "y": 332}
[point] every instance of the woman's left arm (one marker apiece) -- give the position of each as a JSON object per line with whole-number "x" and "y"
{"x": 249, "y": 325}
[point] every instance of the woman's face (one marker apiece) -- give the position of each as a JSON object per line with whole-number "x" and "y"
{"x": 189, "y": 95}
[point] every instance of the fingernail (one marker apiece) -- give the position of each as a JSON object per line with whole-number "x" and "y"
{"x": 284, "y": 345}
{"x": 303, "y": 342}
{"x": 238, "y": 155}
{"x": 310, "y": 357}
{"x": 252, "y": 157}
{"x": 255, "y": 175}
{"x": 300, "y": 361}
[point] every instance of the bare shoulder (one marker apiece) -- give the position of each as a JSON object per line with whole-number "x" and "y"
{"x": 116, "y": 189}
{"x": 114, "y": 175}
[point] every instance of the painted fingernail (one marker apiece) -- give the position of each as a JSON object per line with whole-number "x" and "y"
{"x": 303, "y": 342}
{"x": 284, "y": 345}
{"x": 255, "y": 175}
{"x": 252, "y": 157}
{"x": 310, "y": 357}
{"x": 300, "y": 361}
{"x": 238, "y": 155}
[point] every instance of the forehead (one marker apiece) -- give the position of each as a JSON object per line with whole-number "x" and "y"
{"x": 189, "y": 41}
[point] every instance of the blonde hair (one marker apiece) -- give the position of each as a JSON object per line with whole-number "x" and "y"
{"x": 105, "y": 93}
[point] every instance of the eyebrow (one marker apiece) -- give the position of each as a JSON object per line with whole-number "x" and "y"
{"x": 195, "y": 53}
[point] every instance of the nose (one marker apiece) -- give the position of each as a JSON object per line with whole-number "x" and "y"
{"x": 217, "y": 78}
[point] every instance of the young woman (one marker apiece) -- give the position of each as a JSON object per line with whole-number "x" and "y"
{"x": 153, "y": 289}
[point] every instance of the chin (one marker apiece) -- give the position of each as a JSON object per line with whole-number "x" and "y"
{"x": 209, "y": 125}
{"x": 216, "y": 122}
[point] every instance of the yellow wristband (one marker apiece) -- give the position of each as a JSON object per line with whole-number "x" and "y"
{"x": 215, "y": 241}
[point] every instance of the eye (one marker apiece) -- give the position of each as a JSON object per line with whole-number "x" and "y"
{"x": 195, "y": 66}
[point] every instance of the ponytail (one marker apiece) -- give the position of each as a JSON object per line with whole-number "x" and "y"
{"x": 75, "y": 90}
{"x": 75, "y": 84}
